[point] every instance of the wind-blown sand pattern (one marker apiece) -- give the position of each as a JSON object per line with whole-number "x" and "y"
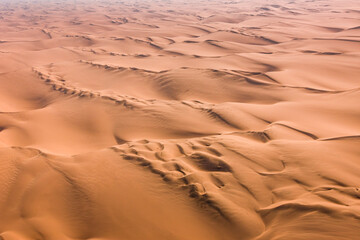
{"x": 180, "y": 120}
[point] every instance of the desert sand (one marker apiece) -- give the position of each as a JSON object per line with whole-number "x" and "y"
{"x": 180, "y": 120}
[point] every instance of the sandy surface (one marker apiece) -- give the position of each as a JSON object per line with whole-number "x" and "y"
{"x": 180, "y": 120}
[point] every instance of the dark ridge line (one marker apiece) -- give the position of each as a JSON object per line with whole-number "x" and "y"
{"x": 261, "y": 119}
{"x": 329, "y": 53}
{"x": 357, "y": 137}
{"x": 146, "y": 42}
{"x": 272, "y": 79}
{"x": 316, "y": 90}
{"x": 256, "y": 82}
{"x": 172, "y": 41}
{"x": 331, "y": 199}
{"x": 212, "y": 43}
{"x": 298, "y": 130}
{"x": 305, "y": 207}
{"x": 353, "y": 28}
{"x": 254, "y": 135}
{"x": 338, "y": 39}
{"x": 268, "y": 39}
{"x": 196, "y": 27}
{"x": 119, "y": 140}
{"x": 79, "y": 36}
{"x": 174, "y": 52}
{"x": 212, "y": 113}
{"x": 48, "y": 34}
{"x": 106, "y": 66}
{"x": 240, "y": 154}
{"x": 190, "y": 41}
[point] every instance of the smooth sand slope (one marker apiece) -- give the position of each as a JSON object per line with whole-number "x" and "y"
{"x": 180, "y": 120}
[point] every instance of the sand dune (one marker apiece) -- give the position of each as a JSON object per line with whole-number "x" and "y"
{"x": 179, "y": 120}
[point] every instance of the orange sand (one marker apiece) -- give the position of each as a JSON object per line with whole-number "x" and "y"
{"x": 180, "y": 120}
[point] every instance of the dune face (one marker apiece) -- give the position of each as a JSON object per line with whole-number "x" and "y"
{"x": 179, "y": 120}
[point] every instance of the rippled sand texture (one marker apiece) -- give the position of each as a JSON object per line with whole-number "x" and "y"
{"x": 180, "y": 120}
